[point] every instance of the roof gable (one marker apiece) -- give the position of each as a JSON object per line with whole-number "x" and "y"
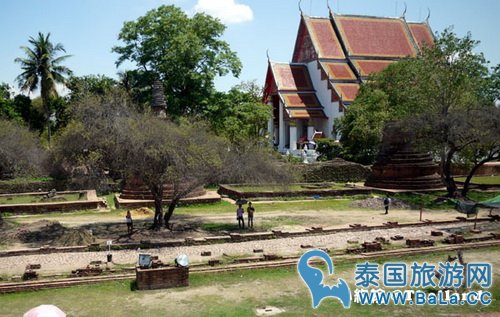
{"x": 304, "y": 50}
{"x": 323, "y": 37}
{"x": 291, "y": 77}
{"x": 421, "y": 33}
{"x": 367, "y": 67}
{"x": 338, "y": 71}
{"x": 302, "y": 105}
{"x": 375, "y": 37}
{"x": 347, "y": 91}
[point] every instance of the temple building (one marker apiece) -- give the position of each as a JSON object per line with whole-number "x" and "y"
{"x": 331, "y": 58}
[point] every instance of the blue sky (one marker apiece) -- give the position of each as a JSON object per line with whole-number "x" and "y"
{"x": 88, "y": 29}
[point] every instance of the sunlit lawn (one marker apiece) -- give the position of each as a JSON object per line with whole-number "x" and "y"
{"x": 30, "y": 199}
{"x": 486, "y": 180}
{"x": 229, "y": 294}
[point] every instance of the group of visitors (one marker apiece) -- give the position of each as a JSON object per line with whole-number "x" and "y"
{"x": 239, "y": 215}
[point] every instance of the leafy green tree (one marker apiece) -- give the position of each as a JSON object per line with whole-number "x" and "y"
{"x": 362, "y": 125}
{"x": 20, "y": 109}
{"x": 433, "y": 94}
{"x": 4, "y": 91}
{"x": 184, "y": 53}
{"x": 7, "y": 106}
{"x": 94, "y": 84}
{"x": 328, "y": 149}
{"x": 138, "y": 85}
{"x": 42, "y": 69}
{"x": 238, "y": 114}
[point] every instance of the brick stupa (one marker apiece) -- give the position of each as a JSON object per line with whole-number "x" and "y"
{"x": 400, "y": 166}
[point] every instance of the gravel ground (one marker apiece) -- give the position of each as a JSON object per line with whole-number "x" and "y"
{"x": 65, "y": 262}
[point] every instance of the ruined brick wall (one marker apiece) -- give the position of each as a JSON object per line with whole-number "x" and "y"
{"x": 165, "y": 277}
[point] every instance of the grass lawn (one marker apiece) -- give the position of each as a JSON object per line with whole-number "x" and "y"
{"x": 426, "y": 200}
{"x": 483, "y": 180}
{"x": 237, "y": 293}
{"x": 29, "y": 199}
{"x": 226, "y": 207}
{"x": 264, "y": 224}
{"x": 24, "y": 180}
{"x": 284, "y": 188}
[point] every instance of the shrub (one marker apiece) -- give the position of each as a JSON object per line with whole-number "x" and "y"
{"x": 328, "y": 149}
{"x": 20, "y": 151}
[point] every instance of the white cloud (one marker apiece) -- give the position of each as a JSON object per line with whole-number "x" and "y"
{"x": 228, "y": 11}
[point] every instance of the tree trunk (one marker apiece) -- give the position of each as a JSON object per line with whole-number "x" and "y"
{"x": 451, "y": 187}
{"x": 157, "y": 192}
{"x": 170, "y": 210}
{"x": 49, "y": 132}
{"x": 465, "y": 190}
{"x": 46, "y": 109}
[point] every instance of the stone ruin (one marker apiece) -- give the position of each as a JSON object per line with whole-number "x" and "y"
{"x": 400, "y": 165}
{"x": 159, "y": 103}
{"x": 135, "y": 189}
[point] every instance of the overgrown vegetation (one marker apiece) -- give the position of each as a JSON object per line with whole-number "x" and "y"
{"x": 445, "y": 97}
{"x": 20, "y": 151}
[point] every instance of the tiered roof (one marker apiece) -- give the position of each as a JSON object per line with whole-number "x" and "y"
{"x": 293, "y": 85}
{"x": 348, "y": 48}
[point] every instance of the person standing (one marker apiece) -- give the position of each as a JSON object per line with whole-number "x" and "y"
{"x": 250, "y": 211}
{"x": 130, "y": 224}
{"x": 387, "y": 202}
{"x": 239, "y": 217}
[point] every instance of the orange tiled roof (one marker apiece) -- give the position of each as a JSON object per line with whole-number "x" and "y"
{"x": 291, "y": 77}
{"x": 421, "y": 33}
{"x": 324, "y": 38}
{"x": 348, "y": 92}
{"x": 300, "y": 100}
{"x": 381, "y": 37}
{"x": 302, "y": 105}
{"x": 366, "y": 67}
{"x": 306, "y": 114}
{"x": 338, "y": 70}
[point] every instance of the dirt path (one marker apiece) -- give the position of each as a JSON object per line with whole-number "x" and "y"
{"x": 65, "y": 262}
{"x": 328, "y": 217}
{"x": 111, "y": 225}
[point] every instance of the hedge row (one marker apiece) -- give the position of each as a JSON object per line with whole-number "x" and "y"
{"x": 31, "y": 185}
{"x": 337, "y": 170}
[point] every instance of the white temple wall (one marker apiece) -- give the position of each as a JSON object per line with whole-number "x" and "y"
{"x": 324, "y": 95}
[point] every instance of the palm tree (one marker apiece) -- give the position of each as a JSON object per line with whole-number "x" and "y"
{"x": 41, "y": 68}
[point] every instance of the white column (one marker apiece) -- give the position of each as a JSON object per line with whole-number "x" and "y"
{"x": 270, "y": 130}
{"x": 281, "y": 126}
{"x": 293, "y": 137}
{"x": 310, "y": 131}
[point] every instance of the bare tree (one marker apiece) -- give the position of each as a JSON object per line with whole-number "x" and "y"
{"x": 20, "y": 151}
{"x": 469, "y": 136}
{"x": 109, "y": 134}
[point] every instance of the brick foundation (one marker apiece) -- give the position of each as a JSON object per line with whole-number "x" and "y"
{"x": 165, "y": 277}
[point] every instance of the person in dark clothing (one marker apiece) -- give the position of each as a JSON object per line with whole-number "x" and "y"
{"x": 387, "y": 203}
{"x": 250, "y": 211}
{"x": 239, "y": 217}
{"x": 130, "y": 224}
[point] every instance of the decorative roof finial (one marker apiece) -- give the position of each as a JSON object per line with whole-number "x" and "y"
{"x": 404, "y": 12}
{"x": 428, "y": 16}
{"x": 267, "y": 54}
{"x": 300, "y": 9}
{"x": 328, "y": 6}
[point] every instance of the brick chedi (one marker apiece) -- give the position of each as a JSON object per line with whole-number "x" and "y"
{"x": 400, "y": 166}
